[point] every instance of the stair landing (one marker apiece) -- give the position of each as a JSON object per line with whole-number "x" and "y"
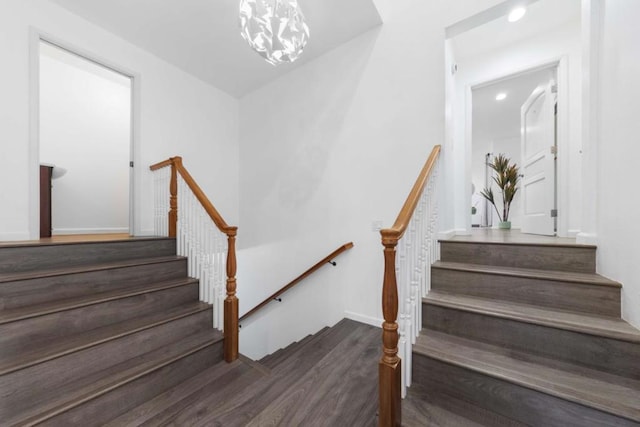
{"x": 515, "y": 236}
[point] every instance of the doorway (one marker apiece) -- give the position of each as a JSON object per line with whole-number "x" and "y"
{"x": 515, "y": 117}
{"x": 85, "y": 144}
{"x": 487, "y": 48}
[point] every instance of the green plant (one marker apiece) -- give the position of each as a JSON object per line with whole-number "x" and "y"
{"x": 506, "y": 177}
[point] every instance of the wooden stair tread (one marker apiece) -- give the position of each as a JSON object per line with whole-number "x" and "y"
{"x": 13, "y": 277}
{"x": 576, "y": 322}
{"x": 272, "y": 360}
{"x": 203, "y": 405}
{"x": 33, "y": 243}
{"x": 423, "y": 408}
{"x": 175, "y": 395}
{"x": 309, "y": 388}
{"x": 462, "y": 239}
{"x": 21, "y": 313}
{"x": 315, "y": 394}
{"x": 605, "y": 392}
{"x": 42, "y": 352}
{"x": 85, "y": 389}
{"x": 563, "y": 276}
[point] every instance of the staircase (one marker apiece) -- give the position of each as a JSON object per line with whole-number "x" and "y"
{"x": 91, "y": 330}
{"x": 326, "y": 379}
{"x": 523, "y": 334}
{"x": 113, "y": 333}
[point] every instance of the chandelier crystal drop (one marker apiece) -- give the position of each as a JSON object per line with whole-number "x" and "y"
{"x": 274, "y": 28}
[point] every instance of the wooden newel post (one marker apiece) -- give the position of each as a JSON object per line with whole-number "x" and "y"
{"x": 231, "y": 302}
{"x": 173, "y": 199}
{"x": 389, "y": 368}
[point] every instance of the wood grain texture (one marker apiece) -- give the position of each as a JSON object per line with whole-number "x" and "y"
{"x": 527, "y": 406}
{"x": 41, "y": 352}
{"x": 494, "y": 235}
{"x": 389, "y": 370}
{"x": 274, "y": 359}
{"x": 607, "y": 393}
{"x": 182, "y": 395}
{"x": 172, "y": 215}
{"x": 45, "y": 200}
{"x": 231, "y": 305}
{"x": 423, "y": 408}
{"x": 408, "y": 208}
{"x": 231, "y": 308}
{"x": 597, "y": 352}
{"x": 307, "y": 376}
{"x": 40, "y": 382}
{"x": 527, "y": 287}
{"x": 219, "y": 395}
{"x": 102, "y": 408}
{"x": 30, "y": 257}
{"x": 58, "y": 324}
{"x": 330, "y": 389}
{"x": 33, "y": 288}
{"x": 579, "y": 259}
{"x": 68, "y": 405}
{"x": 578, "y": 322}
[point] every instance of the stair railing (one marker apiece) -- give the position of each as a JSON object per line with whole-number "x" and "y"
{"x": 183, "y": 211}
{"x": 324, "y": 261}
{"x": 406, "y": 281}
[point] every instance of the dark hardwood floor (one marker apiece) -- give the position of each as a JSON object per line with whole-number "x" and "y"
{"x": 328, "y": 379}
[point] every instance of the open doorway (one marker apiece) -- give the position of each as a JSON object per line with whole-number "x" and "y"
{"x": 488, "y": 48}
{"x": 85, "y": 145}
{"x": 516, "y": 117}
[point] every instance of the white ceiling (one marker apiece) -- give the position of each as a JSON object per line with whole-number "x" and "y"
{"x": 501, "y": 119}
{"x": 202, "y": 36}
{"x": 541, "y": 16}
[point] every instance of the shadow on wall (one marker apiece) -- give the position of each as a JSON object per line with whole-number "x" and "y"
{"x": 291, "y": 178}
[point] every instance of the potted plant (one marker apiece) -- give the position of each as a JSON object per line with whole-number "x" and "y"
{"x": 506, "y": 177}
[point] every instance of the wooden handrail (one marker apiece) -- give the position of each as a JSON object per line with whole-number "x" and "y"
{"x": 231, "y": 301}
{"x": 402, "y": 221}
{"x": 390, "y": 366}
{"x": 298, "y": 279}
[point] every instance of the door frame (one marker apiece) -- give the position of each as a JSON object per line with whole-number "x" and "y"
{"x": 35, "y": 37}
{"x": 562, "y": 182}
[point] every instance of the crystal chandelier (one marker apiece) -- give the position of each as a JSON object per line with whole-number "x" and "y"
{"x": 274, "y": 28}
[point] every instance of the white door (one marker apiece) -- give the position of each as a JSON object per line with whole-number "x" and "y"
{"x": 538, "y": 161}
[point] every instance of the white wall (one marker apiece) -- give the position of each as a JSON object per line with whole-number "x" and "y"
{"x": 85, "y": 127}
{"x": 618, "y": 153}
{"x": 520, "y": 56}
{"x": 178, "y": 115}
{"x": 279, "y": 323}
{"x": 338, "y": 143}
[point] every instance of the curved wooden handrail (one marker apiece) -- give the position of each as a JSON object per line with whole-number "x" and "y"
{"x": 396, "y": 232}
{"x": 390, "y": 366}
{"x": 298, "y": 279}
{"x": 231, "y": 324}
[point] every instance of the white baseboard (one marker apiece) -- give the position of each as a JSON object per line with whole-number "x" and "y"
{"x": 14, "y": 236}
{"x": 573, "y": 233}
{"x": 587, "y": 239}
{"x": 446, "y": 235}
{"x": 373, "y": 321}
{"x": 59, "y": 231}
{"x": 147, "y": 232}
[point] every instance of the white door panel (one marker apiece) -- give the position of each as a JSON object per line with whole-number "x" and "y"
{"x": 538, "y": 161}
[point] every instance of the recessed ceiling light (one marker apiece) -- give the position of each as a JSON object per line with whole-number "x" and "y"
{"x": 517, "y": 13}
{"x": 501, "y": 96}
